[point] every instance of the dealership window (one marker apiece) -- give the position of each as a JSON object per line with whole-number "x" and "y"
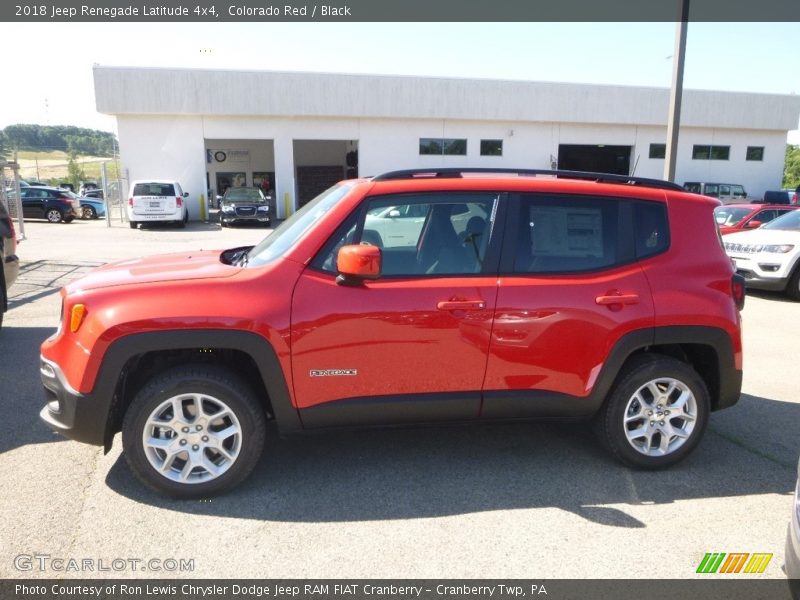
{"x": 491, "y": 147}
{"x": 448, "y": 146}
{"x": 658, "y": 150}
{"x": 711, "y": 152}
{"x": 755, "y": 153}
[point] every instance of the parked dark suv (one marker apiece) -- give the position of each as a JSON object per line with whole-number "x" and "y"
{"x": 484, "y": 296}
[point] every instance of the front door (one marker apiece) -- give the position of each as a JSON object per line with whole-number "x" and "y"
{"x": 411, "y": 345}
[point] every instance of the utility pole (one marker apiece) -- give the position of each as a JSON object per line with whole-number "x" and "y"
{"x": 676, "y": 93}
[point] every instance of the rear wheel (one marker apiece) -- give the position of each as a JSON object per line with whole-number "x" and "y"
{"x": 655, "y": 414}
{"x": 54, "y": 215}
{"x": 193, "y": 431}
{"x": 132, "y": 224}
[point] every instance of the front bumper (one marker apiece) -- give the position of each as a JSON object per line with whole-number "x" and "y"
{"x": 235, "y": 218}
{"x": 67, "y": 411}
{"x": 764, "y": 272}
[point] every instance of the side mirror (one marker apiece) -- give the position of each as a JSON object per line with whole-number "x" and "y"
{"x": 394, "y": 213}
{"x": 185, "y": 194}
{"x": 358, "y": 262}
{"x": 753, "y": 224}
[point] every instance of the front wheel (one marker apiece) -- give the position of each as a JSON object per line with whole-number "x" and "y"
{"x": 87, "y": 212}
{"x": 655, "y": 414}
{"x": 54, "y": 215}
{"x": 793, "y": 287}
{"x": 193, "y": 431}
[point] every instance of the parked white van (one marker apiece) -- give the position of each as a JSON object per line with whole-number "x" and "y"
{"x": 155, "y": 200}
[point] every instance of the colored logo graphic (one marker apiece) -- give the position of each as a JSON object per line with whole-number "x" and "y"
{"x": 735, "y": 562}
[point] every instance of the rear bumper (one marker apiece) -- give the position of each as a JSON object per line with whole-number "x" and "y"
{"x": 67, "y": 411}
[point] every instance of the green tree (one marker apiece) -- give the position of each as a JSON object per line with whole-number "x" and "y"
{"x": 791, "y": 169}
{"x": 75, "y": 173}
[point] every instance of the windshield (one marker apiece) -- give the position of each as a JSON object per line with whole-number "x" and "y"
{"x": 293, "y": 228}
{"x": 727, "y": 216}
{"x": 244, "y": 195}
{"x": 790, "y": 221}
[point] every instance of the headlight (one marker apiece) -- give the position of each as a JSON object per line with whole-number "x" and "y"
{"x": 778, "y": 248}
{"x": 228, "y": 207}
{"x": 263, "y": 208}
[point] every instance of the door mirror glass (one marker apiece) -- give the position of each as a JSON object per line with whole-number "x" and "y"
{"x": 357, "y": 262}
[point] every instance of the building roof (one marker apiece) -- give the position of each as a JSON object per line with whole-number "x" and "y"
{"x": 165, "y": 91}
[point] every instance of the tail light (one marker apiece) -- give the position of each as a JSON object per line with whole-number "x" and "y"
{"x": 795, "y": 199}
{"x": 130, "y": 201}
{"x": 738, "y": 291}
{"x": 178, "y": 201}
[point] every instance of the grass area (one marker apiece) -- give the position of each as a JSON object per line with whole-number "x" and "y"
{"x": 51, "y": 167}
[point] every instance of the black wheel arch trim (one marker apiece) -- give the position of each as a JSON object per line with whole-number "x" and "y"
{"x": 95, "y": 423}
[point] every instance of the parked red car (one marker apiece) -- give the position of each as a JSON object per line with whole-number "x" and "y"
{"x": 739, "y": 217}
{"x": 411, "y": 297}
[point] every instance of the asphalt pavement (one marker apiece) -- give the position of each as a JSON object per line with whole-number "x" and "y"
{"x": 524, "y": 500}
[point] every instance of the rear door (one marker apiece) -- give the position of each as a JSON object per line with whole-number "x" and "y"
{"x": 569, "y": 289}
{"x": 154, "y": 198}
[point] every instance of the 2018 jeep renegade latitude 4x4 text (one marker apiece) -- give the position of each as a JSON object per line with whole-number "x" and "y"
{"x": 452, "y": 295}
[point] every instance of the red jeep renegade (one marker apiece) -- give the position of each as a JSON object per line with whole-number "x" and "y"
{"x": 411, "y": 297}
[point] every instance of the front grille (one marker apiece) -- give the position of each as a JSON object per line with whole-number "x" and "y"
{"x": 245, "y": 211}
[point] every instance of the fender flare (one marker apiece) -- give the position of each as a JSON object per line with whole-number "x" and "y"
{"x": 103, "y": 397}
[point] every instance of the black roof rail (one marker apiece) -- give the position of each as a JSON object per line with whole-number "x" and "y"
{"x": 586, "y": 175}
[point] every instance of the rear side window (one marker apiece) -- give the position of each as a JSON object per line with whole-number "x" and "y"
{"x": 153, "y": 189}
{"x": 567, "y": 235}
{"x": 650, "y": 228}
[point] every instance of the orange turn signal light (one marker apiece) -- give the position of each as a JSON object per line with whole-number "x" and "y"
{"x": 76, "y": 317}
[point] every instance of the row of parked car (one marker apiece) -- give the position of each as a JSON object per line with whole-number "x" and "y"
{"x": 57, "y": 204}
{"x": 731, "y": 193}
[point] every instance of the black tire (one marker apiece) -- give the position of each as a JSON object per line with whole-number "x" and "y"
{"x": 69, "y": 219}
{"x": 793, "y": 287}
{"x": 88, "y": 213}
{"x": 132, "y": 224}
{"x": 610, "y": 420}
{"x": 53, "y": 215}
{"x": 216, "y": 382}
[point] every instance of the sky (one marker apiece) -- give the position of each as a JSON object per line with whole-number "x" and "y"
{"x": 56, "y": 86}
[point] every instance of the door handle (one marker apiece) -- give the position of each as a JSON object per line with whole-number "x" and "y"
{"x": 461, "y": 305}
{"x": 614, "y": 297}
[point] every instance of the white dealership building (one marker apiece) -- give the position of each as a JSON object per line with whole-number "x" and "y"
{"x": 210, "y": 129}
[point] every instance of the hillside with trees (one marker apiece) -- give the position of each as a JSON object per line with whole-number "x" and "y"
{"x": 66, "y": 138}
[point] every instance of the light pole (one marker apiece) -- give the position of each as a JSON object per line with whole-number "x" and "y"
{"x": 676, "y": 93}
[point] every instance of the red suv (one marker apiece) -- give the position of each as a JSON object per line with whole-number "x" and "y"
{"x": 411, "y": 297}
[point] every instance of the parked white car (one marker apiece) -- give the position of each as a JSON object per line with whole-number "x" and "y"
{"x": 769, "y": 257}
{"x": 154, "y": 200}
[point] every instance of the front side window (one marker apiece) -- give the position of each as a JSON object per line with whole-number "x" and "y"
{"x": 429, "y": 234}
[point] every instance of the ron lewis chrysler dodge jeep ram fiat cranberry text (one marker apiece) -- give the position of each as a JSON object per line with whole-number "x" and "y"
{"x": 452, "y": 295}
